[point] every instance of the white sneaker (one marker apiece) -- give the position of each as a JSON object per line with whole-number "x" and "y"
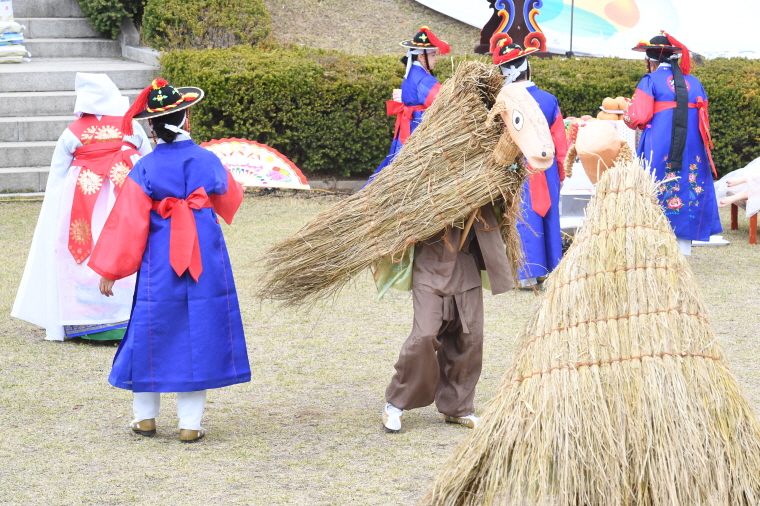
{"x": 470, "y": 421}
{"x": 392, "y": 418}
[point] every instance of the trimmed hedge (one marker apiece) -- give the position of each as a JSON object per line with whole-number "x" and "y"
{"x": 204, "y": 24}
{"x": 326, "y": 110}
{"x": 323, "y": 109}
{"x": 105, "y": 15}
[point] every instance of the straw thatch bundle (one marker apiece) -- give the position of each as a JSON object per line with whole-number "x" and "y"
{"x": 445, "y": 171}
{"x": 620, "y": 394}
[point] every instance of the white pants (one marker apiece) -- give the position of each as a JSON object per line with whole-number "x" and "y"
{"x": 685, "y": 246}
{"x": 190, "y": 406}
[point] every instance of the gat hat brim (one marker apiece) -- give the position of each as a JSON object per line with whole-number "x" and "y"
{"x": 524, "y": 52}
{"x": 426, "y": 39}
{"x": 644, "y": 46}
{"x": 191, "y": 96}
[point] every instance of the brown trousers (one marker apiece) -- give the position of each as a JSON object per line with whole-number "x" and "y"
{"x": 441, "y": 359}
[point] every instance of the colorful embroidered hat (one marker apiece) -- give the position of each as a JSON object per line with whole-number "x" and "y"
{"x": 666, "y": 44}
{"x": 504, "y": 50}
{"x": 158, "y": 99}
{"x": 426, "y": 39}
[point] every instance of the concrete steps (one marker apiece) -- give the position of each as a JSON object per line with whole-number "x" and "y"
{"x": 57, "y": 28}
{"x": 47, "y": 9}
{"x": 57, "y": 74}
{"x": 32, "y": 129}
{"x": 44, "y": 103}
{"x": 26, "y": 154}
{"x": 37, "y": 98}
{"x": 23, "y": 179}
{"x": 73, "y": 48}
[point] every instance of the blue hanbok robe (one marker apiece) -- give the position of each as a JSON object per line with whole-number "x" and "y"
{"x": 184, "y": 334}
{"x": 541, "y": 236}
{"x": 687, "y": 196}
{"x": 418, "y": 90}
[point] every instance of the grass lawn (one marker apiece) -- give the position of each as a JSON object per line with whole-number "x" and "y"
{"x": 306, "y": 429}
{"x": 365, "y": 27}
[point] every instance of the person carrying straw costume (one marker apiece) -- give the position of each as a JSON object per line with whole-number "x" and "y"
{"x": 539, "y": 227}
{"x": 90, "y": 164}
{"x": 670, "y": 106}
{"x": 620, "y": 393}
{"x": 185, "y": 334}
{"x": 446, "y": 205}
{"x": 418, "y": 89}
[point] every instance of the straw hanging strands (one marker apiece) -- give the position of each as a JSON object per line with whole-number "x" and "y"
{"x": 620, "y": 395}
{"x": 445, "y": 172}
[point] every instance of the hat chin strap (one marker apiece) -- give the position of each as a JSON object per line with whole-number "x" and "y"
{"x": 511, "y": 73}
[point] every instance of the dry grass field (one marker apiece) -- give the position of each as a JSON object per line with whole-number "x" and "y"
{"x": 306, "y": 430}
{"x": 366, "y": 27}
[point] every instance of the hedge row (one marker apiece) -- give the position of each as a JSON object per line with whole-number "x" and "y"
{"x": 105, "y": 15}
{"x": 204, "y": 24}
{"x": 326, "y": 111}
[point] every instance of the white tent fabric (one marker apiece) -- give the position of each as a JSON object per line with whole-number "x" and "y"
{"x": 613, "y": 27}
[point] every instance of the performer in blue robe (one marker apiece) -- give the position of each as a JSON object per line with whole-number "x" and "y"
{"x": 539, "y": 228}
{"x": 418, "y": 89}
{"x": 185, "y": 332}
{"x": 670, "y": 106}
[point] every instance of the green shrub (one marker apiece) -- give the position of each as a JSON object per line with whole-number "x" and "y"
{"x": 204, "y": 24}
{"x": 323, "y": 109}
{"x": 105, "y": 15}
{"x": 326, "y": 110}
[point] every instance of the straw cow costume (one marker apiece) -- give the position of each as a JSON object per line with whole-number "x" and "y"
{"x": 670, "y": 106}
{"x": 620, "y": 393}
{"x": 539, "y": 228}
{"x": 185, "y": 334}
{"x": 445, "y": 208}
{"x": 418, "y": 89}
{"x": 89, "y": 167}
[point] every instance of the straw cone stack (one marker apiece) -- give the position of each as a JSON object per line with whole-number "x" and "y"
{"x": 620, "y": 394}
{"x": 445, "y": 171}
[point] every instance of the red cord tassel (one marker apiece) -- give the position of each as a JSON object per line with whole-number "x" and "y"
{"x": 443, "y": 48}
{"x": 137, "y": 107}
{"x": 685, "y": 54}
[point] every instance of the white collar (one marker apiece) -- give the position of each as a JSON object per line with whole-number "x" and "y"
{"x": 179, "y": 137}
{"x": 524, "y": 84}
{"x": 663, "y": 64}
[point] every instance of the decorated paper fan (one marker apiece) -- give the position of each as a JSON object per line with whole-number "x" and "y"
{"x": 257, "y": 165}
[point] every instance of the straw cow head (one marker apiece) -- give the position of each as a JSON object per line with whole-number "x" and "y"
{"x": 526, "y": 129}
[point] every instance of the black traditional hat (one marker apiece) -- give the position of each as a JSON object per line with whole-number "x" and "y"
{"x": 666, "y": 43}
{"x": 426, "y": 39}
{"x": 158, "y": 99}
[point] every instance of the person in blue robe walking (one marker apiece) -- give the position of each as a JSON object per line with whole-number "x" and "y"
{"x": 185, "y": 332}
{"x": 418, "y": 89}
{"x": 670, "y": 107}
{"x": 539, "y": 228}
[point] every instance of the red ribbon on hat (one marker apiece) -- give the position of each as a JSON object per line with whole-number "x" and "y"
{"x": 442, "y": 46}
{"x": 184, "y": 249}
{"x": 685, "y": 53}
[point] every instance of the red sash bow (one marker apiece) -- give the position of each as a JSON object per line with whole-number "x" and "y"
{"x": 404, "y": 114}
{"x": 97, "y": 161}
{"x": 704, "y": 124}
{"x": 184, "y": 250}
{"x": 540, "y": 200}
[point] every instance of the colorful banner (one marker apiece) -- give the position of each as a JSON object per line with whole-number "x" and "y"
{"x": 613, "y": 27}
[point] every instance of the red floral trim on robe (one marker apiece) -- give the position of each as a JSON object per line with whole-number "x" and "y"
{"x": 640, "y": 110}
{"x": 560, "y": 143}
{"x": 227, "y": 205}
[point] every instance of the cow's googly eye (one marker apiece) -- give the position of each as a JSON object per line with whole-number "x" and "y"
{"x": 517, "y": 120}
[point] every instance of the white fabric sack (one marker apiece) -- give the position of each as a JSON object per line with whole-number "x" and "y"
{"x": 10, "y": 27}
{"x": 12, "y": 59}
{"x": 13, "y": 50}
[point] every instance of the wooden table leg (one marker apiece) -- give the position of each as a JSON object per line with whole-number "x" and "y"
{"x": 734, "y": 217}
{"x": 753, "y": 229}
